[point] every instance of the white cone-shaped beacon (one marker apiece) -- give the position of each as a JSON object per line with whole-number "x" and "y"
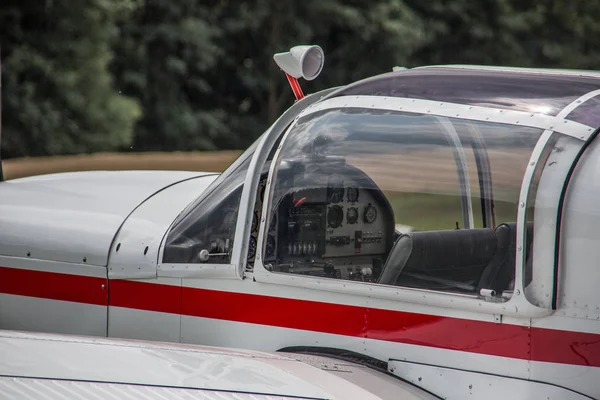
{"x": 301, "y": 61}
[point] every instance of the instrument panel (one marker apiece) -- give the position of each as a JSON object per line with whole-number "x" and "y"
{"x": 353, "y": 224}
{"x": 337, "y": 231}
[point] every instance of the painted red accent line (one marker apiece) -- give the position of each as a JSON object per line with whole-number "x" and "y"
{"x": 54, "y": 285}
{"x": 537, "y": 344}
{"x": 392, "y": 326}
{"x": 578, "y": 348}
{"x": 145, "y": 296}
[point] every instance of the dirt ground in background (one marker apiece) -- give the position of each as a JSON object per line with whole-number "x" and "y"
{"x": 215, "y": 161}
{"x": 416, "y": 172}
{"x": 421, "y": 187}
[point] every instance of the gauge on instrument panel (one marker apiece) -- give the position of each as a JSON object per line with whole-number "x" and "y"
{"x": 336, "y": 194}
{"x": 352, "y": 215}
{"x": 251, "y": 248}
{"x": 270, "y": 250}
{"x": 352, "y": 194}
{"x": 335, "y": 216}
{"x": 370, "y": 214}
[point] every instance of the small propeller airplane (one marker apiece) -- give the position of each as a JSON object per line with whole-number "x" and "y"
{"x": 441, "y": 222}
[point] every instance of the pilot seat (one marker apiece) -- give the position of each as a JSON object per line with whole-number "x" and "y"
{"x": 463, "y": 260}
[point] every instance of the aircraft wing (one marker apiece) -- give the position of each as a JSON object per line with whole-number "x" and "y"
{"x": 40, "y": 365}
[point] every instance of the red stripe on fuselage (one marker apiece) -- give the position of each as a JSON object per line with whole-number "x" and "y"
{"x": 481, "y": 337}
{"x": 548, "y": 345}
{"x": 54, "y": 285}
{"x": 145, "y": 296}
{"x": 392, "y": 326}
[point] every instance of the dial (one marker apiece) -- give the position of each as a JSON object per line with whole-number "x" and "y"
{"x": 270, "y": 250}
{"x": 370, "y": 214}
{"x": 352, "y": 194}
{"x": 337, "y": 194}
{"x": 352, "y": 215}
{"x": 335, "y": 216}
{"x": 251, "y": 248}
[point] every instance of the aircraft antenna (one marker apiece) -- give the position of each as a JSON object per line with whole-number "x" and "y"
{"x": 300, "y": 62}
{"x": 295, "y": 85}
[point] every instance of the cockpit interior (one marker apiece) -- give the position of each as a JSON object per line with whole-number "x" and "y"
{"x": 341, "y": 229}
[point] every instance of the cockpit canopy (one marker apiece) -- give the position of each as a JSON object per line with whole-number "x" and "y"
{"x": 398, "y": 198}
{"x": 424, "y": 193}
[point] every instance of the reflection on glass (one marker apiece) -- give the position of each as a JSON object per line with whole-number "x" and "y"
{"x": 379, "y": 196}
{"x": 206, "y": 233}
{"x": 517, "y": 91}
{"x": 587, "y": 113}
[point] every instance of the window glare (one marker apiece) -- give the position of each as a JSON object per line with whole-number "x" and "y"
{"x": 361, "y": 192}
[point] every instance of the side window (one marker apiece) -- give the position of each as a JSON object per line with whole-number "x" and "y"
{"x": 476, "y": 178}
{"x": 421, "y": 185}
{"x": 206, "y": 233}
{"x": 380, "y": 196}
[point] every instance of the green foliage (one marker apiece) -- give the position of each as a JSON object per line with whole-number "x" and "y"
{"x": 510, "y": 32}
{"x": 97, "y": 75}
{"x": 359, "y": 39}
{"x": 57, "y": 90}
{"x": 164, "y": 57}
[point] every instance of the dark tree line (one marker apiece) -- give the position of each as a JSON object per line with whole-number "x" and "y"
{"x": 104, "y": 75}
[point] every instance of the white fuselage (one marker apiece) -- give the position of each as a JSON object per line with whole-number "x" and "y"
{"x": 56, "y": 291}
{"x": 81, "y": 253}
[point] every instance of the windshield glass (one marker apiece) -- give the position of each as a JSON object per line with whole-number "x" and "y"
{"x": 381, "y": 196}
{"x": 209, "y": 223}
{"x": 238, "y": 165}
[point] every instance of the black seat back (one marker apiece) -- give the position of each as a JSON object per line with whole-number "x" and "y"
{"x": 499, "y": 275}
{"x": 458, "y": 256}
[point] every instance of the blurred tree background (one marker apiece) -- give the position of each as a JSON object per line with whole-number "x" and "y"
{"x": 138, "y": 75}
